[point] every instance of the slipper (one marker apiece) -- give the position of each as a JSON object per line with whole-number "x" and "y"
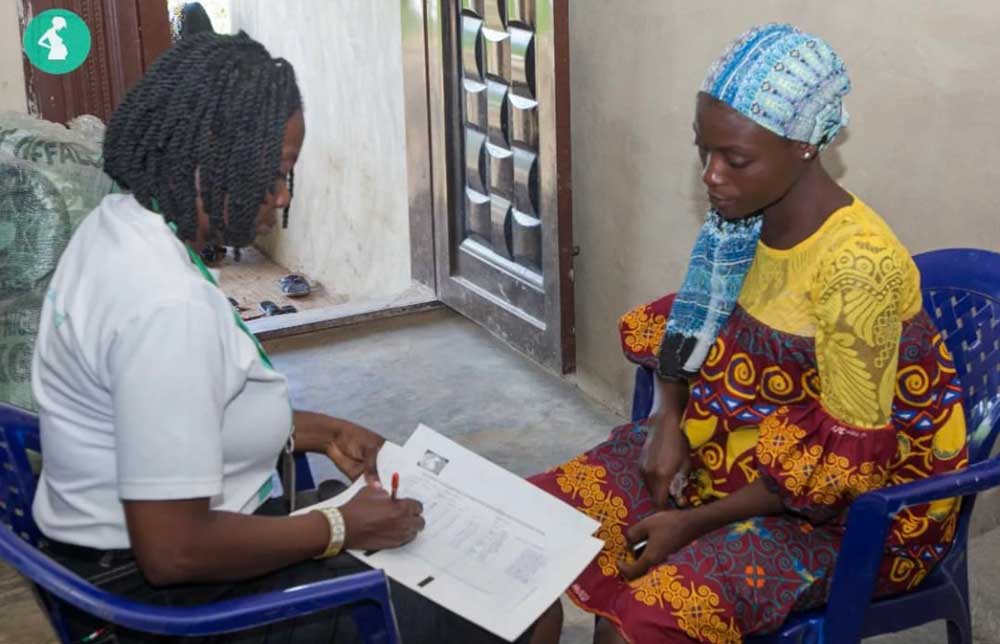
{"x": 236, "y": 305}
{"x": 294, "y": 285}
{"x": 269, "y": 308}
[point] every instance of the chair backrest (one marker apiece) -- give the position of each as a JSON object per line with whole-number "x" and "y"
{"x": 18, "y": 439}
{"x": 961, "y": 290}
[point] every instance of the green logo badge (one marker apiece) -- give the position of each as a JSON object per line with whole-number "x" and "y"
{"x": 57, "y": 41}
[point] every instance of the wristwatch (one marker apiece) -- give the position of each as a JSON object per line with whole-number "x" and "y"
{"x": 338, "y": 531}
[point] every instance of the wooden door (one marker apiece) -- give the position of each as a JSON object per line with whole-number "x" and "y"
{"x": 126, "y": 37}
{"x": 499, "y": 116}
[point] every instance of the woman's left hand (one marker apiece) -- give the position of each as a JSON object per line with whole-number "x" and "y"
{"x": 354, "y": 449}
{"x": 351, "y": 447}
{"x": 666, "y": 532}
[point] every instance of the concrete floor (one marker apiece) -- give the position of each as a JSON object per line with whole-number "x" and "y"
{"x": 439, "y": 369}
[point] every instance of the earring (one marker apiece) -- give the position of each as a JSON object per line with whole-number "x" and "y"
{"x": 807, "y": 156}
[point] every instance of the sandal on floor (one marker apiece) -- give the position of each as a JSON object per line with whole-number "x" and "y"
{"x": 269, "y": 308}
{"x": 294, "y": 285}
{"x": 236, "y": 305}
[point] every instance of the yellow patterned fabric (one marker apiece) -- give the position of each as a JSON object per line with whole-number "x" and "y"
{"x": 850, "y": 286}
{"x": 696, "y": 607}
{"x": 582, "y": 482}
{"x": 816, "y": 471}
{"x": 642, "y": 330}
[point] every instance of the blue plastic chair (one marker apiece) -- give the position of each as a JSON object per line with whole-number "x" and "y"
{"x": 303, "y": 474}
{"x": 367, "y": 593}
{"x": 961, "y": 290}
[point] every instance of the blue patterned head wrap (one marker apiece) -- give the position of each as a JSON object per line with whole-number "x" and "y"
{"x": 793, "y": 84}
{"x": 790, "y": 82}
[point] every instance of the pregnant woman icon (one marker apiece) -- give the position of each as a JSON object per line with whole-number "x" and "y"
{"x": 53, "y": 42}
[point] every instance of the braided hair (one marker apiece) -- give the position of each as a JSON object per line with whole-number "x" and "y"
{"x": 194, "y": 20}
{"x": 214, "y": 106}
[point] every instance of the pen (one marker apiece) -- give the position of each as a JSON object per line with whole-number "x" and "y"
{"x": 395, "y": 484}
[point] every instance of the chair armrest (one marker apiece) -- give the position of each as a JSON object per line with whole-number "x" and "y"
{"x": 221, "y": 617}
{"x": 863, "y": 545}
{"x": 642, "y": 393}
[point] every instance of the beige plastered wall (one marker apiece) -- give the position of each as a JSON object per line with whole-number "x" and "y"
{"x": 12, "y": 95}
{"x": 920, "y": 147}
{"x": 349, "y": 224}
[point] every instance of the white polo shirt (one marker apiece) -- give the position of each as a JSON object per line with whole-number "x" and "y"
{"x": 147, "y": 388}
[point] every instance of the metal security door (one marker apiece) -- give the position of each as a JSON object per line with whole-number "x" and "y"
{"x": 499, "y": 118}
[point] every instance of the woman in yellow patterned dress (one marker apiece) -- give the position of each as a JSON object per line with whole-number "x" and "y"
{"x": 797, "y": 370}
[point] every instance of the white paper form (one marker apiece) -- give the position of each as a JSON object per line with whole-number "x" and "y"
{"x": 496, "y": 549}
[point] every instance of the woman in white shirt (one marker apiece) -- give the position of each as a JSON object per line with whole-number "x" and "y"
{"x": 161, "y": 416}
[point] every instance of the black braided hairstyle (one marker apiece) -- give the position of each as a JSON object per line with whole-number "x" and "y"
{"x": 214, "y": 104}
{"x": 194, "y": 20}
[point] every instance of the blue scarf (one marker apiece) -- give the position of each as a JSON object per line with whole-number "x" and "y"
{"x": 719, "y": 263}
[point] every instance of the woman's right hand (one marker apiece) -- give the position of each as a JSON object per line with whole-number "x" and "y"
{"x": 665, "y": 457}
{"x": 373, "y": 520}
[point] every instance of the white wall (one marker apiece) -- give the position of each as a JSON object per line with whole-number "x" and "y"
{"x": 12, "y": 95}
{"x": 919, "y": 149}
{"x": 349, "y": 224}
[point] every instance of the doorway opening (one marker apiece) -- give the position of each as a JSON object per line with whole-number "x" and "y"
{"x": 436, "y": 164}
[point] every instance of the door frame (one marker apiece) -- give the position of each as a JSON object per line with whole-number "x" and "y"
{"x": 419, "y": 161}
{"x": 429, "y": 102}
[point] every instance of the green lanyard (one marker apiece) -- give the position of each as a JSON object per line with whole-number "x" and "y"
{"x": 196, "y": 260}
